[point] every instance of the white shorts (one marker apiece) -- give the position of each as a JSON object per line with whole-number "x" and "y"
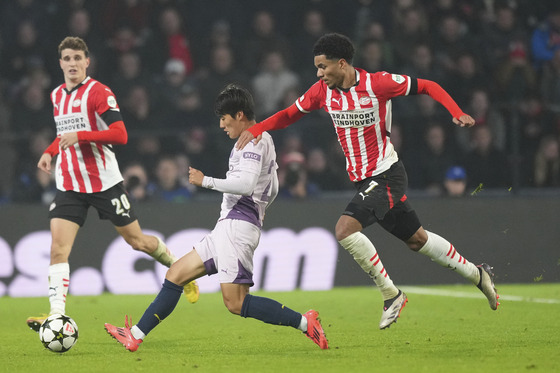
{"x": 228, "y": 250}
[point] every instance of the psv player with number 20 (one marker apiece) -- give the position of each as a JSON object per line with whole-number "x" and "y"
{"x": 88, "y": 123}
{"x": 359, "y": 104}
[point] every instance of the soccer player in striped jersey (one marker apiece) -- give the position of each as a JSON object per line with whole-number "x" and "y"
{"x": 359, "y": 104}
{"x": 88, "y": 123}
{"x": 250, "y": 186}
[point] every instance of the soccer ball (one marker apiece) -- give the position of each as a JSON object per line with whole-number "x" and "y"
{"x": 58, "y": 333}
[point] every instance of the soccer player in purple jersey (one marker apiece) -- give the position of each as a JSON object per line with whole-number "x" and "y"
{"x": 250, "y": 186}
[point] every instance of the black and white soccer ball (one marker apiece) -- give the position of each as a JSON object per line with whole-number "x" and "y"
{"x": 58, "y": 333}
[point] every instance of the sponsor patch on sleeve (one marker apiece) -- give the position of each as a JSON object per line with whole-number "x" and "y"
{"x": 251, "y": 155}
{"x": 112, "y": 102}
{"x": 397, "y": 78}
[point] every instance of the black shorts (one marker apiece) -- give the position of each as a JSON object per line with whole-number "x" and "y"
{"x": 111, "y": 204}
{"x": 382, "y": 199}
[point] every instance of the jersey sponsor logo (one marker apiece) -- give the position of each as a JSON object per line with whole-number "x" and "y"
{"x": 397, "y": 78}
{"x": 70, "y": 123}
{"x": 111, "y": 101}
{"x": 251, "y": 155}
{"x": 355, "y": 118}
{"x": 77, "y": 102}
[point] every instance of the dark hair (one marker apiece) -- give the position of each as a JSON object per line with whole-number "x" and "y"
{"x": 234, "y": 99}
{"x": 334, "y": 46}
{"x": 75, "y": 43}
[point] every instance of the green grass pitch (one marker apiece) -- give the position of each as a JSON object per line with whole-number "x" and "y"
{"x": 442, "y": 329}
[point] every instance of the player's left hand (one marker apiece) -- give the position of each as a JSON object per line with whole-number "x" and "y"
{"x": 68, "y": 139}
{"x": 464, "y": 121}
{"x": 195, "y": 177}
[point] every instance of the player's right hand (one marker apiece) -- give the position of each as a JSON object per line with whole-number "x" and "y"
{"x": 245, "y": 138}
{"x": 45, "y": 163}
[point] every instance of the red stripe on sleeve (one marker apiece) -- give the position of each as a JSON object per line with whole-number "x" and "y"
{"x": 435, "y": 91}
{"x": 281, "y": 119}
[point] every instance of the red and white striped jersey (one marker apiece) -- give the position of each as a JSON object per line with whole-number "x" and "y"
{"x": 362, "y": 119}
{"x": 85, "y": 167}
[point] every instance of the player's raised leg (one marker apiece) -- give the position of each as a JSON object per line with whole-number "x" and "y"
{"x": 445, "y": 254}
{"x": 186, "y": 269}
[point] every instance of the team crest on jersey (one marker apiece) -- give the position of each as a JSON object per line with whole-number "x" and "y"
{"x": 397, "y": 78}
{"x": 111, "y": 101}
{"x": 365, "y": 100}
{"x": 77, "y": 102}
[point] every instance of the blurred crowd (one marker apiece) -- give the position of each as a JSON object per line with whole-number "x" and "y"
{"x": 166, "y": 60}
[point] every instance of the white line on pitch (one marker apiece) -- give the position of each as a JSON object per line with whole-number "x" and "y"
{"x": 461, "y": 294}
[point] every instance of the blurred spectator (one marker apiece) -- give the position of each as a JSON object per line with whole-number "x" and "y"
{"x": 170, "y": 41}
{"x": 550, "y": 84}
{"x": 545, "y": 40}
{"x": 376, "y": 31}
{"x": 170, "y": 85}
{"x": 292, "y": 177}
{"x": 371, "y": 57}
{"x": 455, "y": 181}
{"x": 411, "y": 29}
{"x": 430, "y": 162}
{"x": 35, "y": 186}
{"x": 222, "y": 71}
{"x": 484, "y": 114}
{"x": 32, "y": 111}
{"x": 515, "y": 77}
{"x": 320, "y": 174}
{"x": 465, "y": 78}
{"x": 79, "y": 24}
{"x": 485, "y": 164}
{"x": 313, "y": 27}
{"x": 23, "y": 53}
{"x": 183, "y": 164}
{"x": 421, "y": 65}
{"x": 138, "y": 111}
{"x": 497, "y": 36}
{"x": 129, "y": 73}
{"x": 450, "y": 40}
{"x": 264, "y": 39}
{"x": 136, "y": 181}
{"x": 167, "y": 187}
{"x": 547, "y": 163}
{"x": 271, "y": 82}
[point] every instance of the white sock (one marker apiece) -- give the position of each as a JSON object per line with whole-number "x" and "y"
{"x": 163, "y": 254}
{"x": 137, "y": 333}
{"x": 303, "y": 324}
{"x": 445, "y": 254}
{"x": 366, "y": 256}
{"x": 59, "y": 280}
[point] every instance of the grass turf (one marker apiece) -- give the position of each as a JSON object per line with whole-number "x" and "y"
{"x": 434, "y": 334}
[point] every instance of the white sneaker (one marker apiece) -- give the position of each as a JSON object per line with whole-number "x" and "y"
{"x": 392, "y": 310}
{"x": 486, "y": 285}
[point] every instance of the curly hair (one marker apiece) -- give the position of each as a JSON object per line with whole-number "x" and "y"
{"x": 334, "y": 46}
